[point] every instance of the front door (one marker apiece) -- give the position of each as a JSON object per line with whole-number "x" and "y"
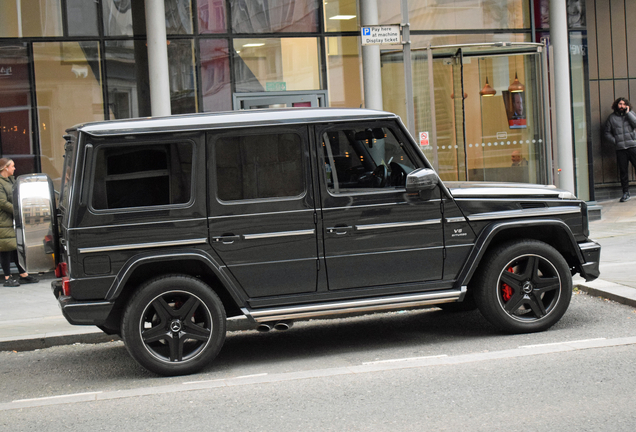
{"x": 375, "y": 234}
{"x": 262, "y": 218}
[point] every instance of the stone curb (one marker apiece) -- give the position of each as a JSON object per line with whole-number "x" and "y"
{"x": 86, "y": 335}
{"x": 609, "y": 290}
{"x": 34, "y": 342}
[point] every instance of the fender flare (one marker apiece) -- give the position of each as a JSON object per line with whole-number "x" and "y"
{"x": 189, "y": 254}
{"x": 488, "y": 234}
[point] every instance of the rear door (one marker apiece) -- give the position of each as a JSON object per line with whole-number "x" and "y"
{"x": 262, "y": 219}
{"x": 375, "y": 234}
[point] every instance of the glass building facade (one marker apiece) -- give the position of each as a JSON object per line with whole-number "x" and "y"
{"x": 65, "y": 62}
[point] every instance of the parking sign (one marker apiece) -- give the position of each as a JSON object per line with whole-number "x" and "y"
{"x": 385, "y": 34}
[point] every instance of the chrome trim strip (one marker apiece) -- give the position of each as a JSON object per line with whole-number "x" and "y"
{"x": 343, "y": 307}
{"x": 460, "y": 245}
{"x": 382, "y": 252}
{"x": 353, "y": 207}
{"x": 396, "y": 224}
{"x": 456, "y": 219}
{"x": 589, "y": 245}
{"x": 143, "y": 245}
{"x": 261, "y": 214}
{"x": 507, "y": 214}
{"x": 87, "y": 305}
{"x": 494, "y": 190}
{"x": 278, "y": 234}
{"x": 168, "y": 221}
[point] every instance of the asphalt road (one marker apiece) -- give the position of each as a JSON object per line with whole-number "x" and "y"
{"x": 417, "y": 370}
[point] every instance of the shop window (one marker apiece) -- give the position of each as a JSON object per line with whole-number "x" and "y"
{"x": 341, "y": 15}
{"x": 142, "y": 176}
{"x": 16, "y": 138}
{"x": 81, "y": 16}
{"x": 276, "y": 64}
{"x": 259, "y": 166}
{"x": 127, "y": 79}
{"x": 215, "y": 75}
{"x": 69, "y": 91}
{"x": 212, "y": 16}
{"x": 178, "y": 16}
{"x": 259, "y": 16}
{"x": 344, "y": 71}
{"x": 183, "y": 89}
{"x": 459, "y": 14}
{"x": 30, "y": 18}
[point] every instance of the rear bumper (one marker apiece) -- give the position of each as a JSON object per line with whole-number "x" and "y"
{"x": 81, "y": 312}
{"x": 592, "y": 255}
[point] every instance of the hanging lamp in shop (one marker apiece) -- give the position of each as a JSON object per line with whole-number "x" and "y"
{"x": 516, "y": 86}
{"x": 487, "y": 90}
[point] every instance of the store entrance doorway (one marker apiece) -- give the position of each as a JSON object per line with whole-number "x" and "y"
{"x": 487, "y": 119}
{"x": 489, "y": 113}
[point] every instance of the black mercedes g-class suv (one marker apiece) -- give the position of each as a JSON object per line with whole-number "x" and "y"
{"x": 164, "y": 227}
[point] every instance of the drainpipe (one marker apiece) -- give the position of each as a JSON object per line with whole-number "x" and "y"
{"x": 371, "y": 72}
{"x": 561, "y": 79}
{"x": 157, "y": 58}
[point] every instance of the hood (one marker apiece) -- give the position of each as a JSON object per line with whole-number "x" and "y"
{"x": 503, "y": 190}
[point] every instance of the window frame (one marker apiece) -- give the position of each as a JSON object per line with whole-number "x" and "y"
{"x": 257, "y": 131}
{"x": 119, "y": 143}
{"x": 397, "y": 134}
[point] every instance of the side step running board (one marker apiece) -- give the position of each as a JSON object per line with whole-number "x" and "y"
{"x": 354, "y": 306}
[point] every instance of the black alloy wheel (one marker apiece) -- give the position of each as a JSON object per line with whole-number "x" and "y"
{"x": 525, "y": 286}
{"x": 174, "y": 325}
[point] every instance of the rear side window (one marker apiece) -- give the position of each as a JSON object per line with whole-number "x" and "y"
{"x": 259, "y": 166}
{"x": 142, "y": 175}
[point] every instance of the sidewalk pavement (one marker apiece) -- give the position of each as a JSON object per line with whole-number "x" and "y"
{"x": 30, "y": 317}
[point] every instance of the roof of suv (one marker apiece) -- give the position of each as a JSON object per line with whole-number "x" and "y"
{"x": 228, "y": 119}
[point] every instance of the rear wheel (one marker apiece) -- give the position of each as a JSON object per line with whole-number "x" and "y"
{"x": 174, "y": 325}
{"x": 524, "y": 286}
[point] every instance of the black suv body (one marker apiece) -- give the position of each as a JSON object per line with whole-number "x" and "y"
{"x": 167, "y": 226}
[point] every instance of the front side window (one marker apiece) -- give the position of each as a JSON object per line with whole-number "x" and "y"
{"x": 359, "y": 158}
{"x": 142, "y": 175}
{"x": 259, "y": 166}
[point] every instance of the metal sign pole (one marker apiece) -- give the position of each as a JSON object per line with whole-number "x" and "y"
{"x": 408, "y": 74}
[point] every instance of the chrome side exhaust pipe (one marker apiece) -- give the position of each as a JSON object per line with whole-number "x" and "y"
{"x": 283, "y": 325}
{"x": 278, "y": 325}
{"x": 264, "y": 327}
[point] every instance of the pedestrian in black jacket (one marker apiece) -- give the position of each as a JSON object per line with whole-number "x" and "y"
{"x": 620, "y": 131}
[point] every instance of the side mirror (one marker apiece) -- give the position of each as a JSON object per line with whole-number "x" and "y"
{"x": 421, "y": 179}
{"x": 35, "y": 222}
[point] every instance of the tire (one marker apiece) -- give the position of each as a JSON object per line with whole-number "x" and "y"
{"x": 174, "y": 325}
{"x": 525, "y": 286}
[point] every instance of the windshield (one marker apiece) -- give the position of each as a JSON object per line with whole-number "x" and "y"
{"x": 69, "y": 166}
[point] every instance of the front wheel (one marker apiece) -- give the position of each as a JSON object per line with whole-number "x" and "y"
{"x": 525, "y": 286}
{"x": 174, "y": 325}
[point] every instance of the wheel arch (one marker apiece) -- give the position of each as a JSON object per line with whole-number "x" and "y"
{"x": 144, "y": 267}
{"x": 555, "y": 233}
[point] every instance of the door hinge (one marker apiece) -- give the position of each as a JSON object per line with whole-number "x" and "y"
{"x": 317, "y": 265}
{"x": 315, "y": 218}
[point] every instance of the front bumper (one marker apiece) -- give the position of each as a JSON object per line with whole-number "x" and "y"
{"x": 592, "y": 257}
{"x": 81, "y": 312}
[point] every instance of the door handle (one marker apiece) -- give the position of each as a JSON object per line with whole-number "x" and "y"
{"x": 226, "y": 239}
{"x": 339, "y": 230}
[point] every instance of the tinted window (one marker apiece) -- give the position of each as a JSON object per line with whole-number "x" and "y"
{"x": 259, "y": 166}
{"x": 142, "y": 175}
{"x": 364, "y": 158}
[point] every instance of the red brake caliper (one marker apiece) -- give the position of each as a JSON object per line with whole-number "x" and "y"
{"x": 507, "y": 289}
